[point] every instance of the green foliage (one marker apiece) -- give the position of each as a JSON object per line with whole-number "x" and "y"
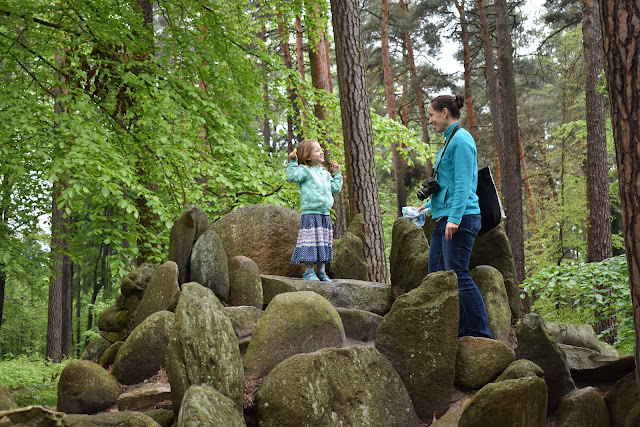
{"x": 573, "y": 293}
{"x": 32, "y": 380}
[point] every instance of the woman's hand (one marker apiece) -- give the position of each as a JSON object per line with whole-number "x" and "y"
{"x": 451, "y": 228}
{"x": 335, "y": 167}
{"x": 421, "y": 208}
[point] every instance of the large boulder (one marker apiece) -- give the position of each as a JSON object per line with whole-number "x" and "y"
{"x": 585, "y": 408}
{"x": 480, "y": 360}
{"x": 142, "y": 354}
{"x": 493, "y": 248}
{"x": 356, "y": 226}
{"x": 86, "y": 388}
{"x": 245, "y": 283}
{"x": 162, "y": 292}
{"x": 409, "y": 258}
{"x": 145, "y": 397}
{"x": 244, "y": 319}
{"x": 535, "y": 344}
{"x": 113, "y": 319}
{"x": 108, "y": 419}
{"x": 36, "y": 416}
{"x": 591, "y": 366}
{"x": 419, "y": 336}
{"x": 575, "y": 334}
{"x": 203, "y": 348}
{"x": 623, "y": 402}
{"x": 521, "y": 402}
{"x": 348, "y": 259}
{"x": 109, "y": 355}
{"x": 209, "y": 264}
{"x": 520, "y": 369}
{"x": 137, "y": 279}
{"x": 205, "y": 406}
{"x": 293, "y": 323}
{"x": 494, "y": 294}
{"x": 359, "y": 324}
{"x": 94, "y": 350}
{"x": 184, "y": 234}
{"x": 265, "y": 233}
{"x": 349, "y": 387}
{"x": 345, "y": 293}
{"x": 6, "y": 402}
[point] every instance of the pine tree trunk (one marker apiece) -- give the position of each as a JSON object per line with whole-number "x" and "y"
{"x": 424, "y": 122}
{"x": 266, "y": 124}
{"x": 494, "y": 94}
{"x": 288, "y": 62}
{"x": 401, "y": 191}
{"x": 620, "y": 26}
{"x": 321, "y": 80}
{"x": 471, "y": 117}
{"x": 358, "y": 133}
{"x": 510, "y": 158}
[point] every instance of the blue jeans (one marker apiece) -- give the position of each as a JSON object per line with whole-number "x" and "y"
{"x": 454, "y": 254}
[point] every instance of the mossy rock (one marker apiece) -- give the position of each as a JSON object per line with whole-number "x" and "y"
{"x": 409, "y": 258}
{"x": 293, "y": 323}
{"x": 353, "y": 386}
{"x": 479, "y": 361}
{"x": 205, "y": 406}
{"x": 86, "y": 388}
{"x": 245, "y": 284}
{"x": 94, "y": 349}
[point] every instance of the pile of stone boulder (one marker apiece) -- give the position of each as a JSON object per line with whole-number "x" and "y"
{"x": 244, "y": 341}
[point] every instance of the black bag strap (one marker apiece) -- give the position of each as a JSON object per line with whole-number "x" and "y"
{"x": 446, "y": 144}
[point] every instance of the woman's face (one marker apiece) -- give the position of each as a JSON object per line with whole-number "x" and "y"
{"x": 438, "y": 119}
{"x": 317, "y": 155}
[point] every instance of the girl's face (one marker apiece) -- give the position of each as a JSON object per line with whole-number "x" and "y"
{"x": 317, "y": 155}
{"x": 438, "y": 119}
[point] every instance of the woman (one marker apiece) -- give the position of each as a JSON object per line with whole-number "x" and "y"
{"x": 455, "y": 209}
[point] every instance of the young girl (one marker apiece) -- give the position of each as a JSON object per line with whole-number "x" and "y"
{"x": 316, "y": 188}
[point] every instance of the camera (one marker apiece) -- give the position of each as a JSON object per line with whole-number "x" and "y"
{"x": 429, "y": 186}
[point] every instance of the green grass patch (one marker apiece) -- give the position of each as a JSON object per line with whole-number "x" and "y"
{"x": 32, "y": 380}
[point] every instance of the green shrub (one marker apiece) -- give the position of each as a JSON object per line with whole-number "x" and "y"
{"x": 573, "y": 293}
{"x": 32, "y": 380}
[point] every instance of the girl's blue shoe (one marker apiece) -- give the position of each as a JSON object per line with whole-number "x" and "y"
{"x": 323, "y": 277}
{"x": 310, "y": 275}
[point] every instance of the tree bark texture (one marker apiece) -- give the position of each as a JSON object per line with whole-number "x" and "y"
{"x": 599, "y": 245}
{"x": 288, "y": 62}
{"x": 620, "y": 29}
{"x": 398, "y": 176}
{"x": 468, "y": 99}
{"x": 358, "y": 133}
{"x": 599, "y": 219}
{"x": 266, "y": 124}
{"x": 509, "y": 153}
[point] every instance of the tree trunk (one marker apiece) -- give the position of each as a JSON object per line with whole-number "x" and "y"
{"x": 620, "y": 24}
{"x": 78, "y": 314}
{"x": 321, "y": 80}
{"x": 288, "y": 62}
{"x": 3, "y": 283}
{"x": 599, "y": 245}
{"x": 358, "y": 133}
{"x": 471, "y": 117}
{"x": 54, "y": 317}
{"x": 67, "y": 308}
{"x": 492, "y": 86}
{"x": 266, "y": 124}
{"x": 527, "y": 180}
{"x": 401, "y": 191}
{"x": 510, "y": 158}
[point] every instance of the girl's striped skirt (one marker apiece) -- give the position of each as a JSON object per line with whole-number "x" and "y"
{"x": 314, "y": 239}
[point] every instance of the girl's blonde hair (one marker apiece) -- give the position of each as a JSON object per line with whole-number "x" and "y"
{"x": 304, "y": 151}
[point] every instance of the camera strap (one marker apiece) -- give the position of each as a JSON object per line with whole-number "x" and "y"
{"x": 455, "y": 129}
